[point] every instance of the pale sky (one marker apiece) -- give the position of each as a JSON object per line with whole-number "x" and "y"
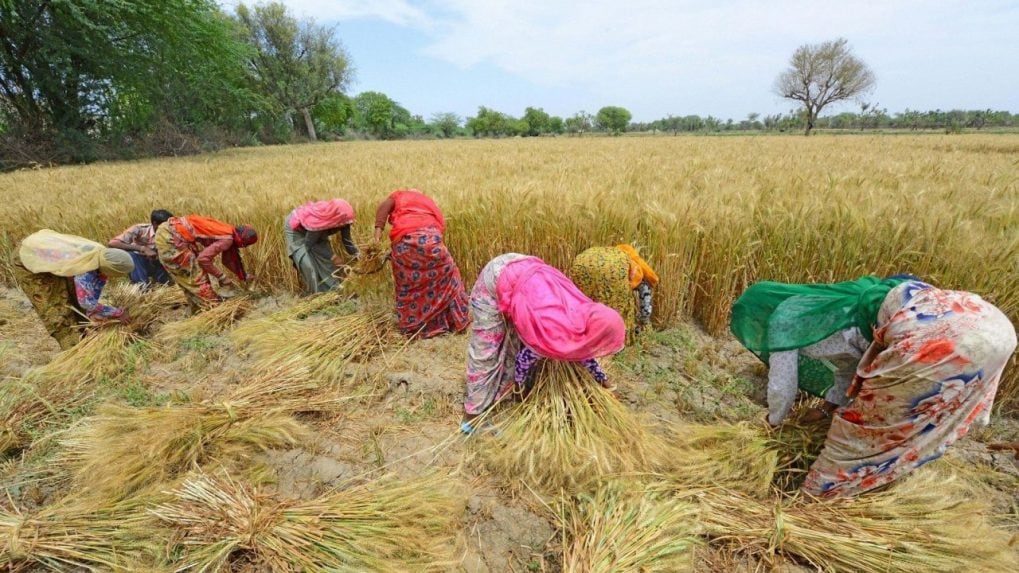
{"x": 660, "y": 57}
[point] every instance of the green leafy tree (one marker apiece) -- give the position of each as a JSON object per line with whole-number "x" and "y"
{"x": 613, "y": 119}
{"x": 556, "y": 125}
{"x": 538, "y": 122}
{"x": 80, "y": 72}
{"x": 373, "y": 113}
{"x": 334, "y": 113}
{"x": 822, "y": 74}
{"x": 296, "y": 63}
{"x": 447, "y": 123}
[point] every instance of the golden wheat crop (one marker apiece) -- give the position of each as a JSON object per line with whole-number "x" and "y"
{"x": 712, "y": 214}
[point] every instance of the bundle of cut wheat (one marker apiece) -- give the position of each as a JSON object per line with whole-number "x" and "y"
{"x": 797, "y": 445}
{"x": 567, "y": 431}
{"x": 619, "y": 529}
{"x": 737, "y": 456}
{"x": 250, "y": 330}
{"x": 923, "y": 523}
{"x": 386, "y": 525}
{"x": 45, "y": 394}
{"x": 324, "y": 347}
{"x": 209, "y": 321}
{"x": 146, "y": 307}
{"x": 74, "y": 534}
{"x": 119, "y": 450}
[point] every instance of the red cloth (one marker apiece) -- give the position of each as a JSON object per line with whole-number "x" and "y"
{"x": 322, "y": 215}
{"x": 430, "y": 295}
{"x": 211, "y": 237}
{"x": 413, "y": 211}
{"x": 553, "y": 317}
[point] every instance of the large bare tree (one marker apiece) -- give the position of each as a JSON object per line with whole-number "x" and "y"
{"x": 821, "y": 74}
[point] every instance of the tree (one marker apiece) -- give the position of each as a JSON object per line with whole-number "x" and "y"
{"x": 579, "y": 123}
{"x": 296, "y": 63}
{"x": 822, "y": 74}
{"x": 537, "y": 121}
{"x": 374, "y": 114}
{"x": 446, "y": 123}
{"x": 613, "y": 119}
{"x": 75, "y": 73}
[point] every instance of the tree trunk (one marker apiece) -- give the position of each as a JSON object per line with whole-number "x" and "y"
{"x": 810, "y": 122}
{"x": 309, "y": 124}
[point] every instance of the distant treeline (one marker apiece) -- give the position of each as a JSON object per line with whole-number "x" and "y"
{"x": 82, "y": 80}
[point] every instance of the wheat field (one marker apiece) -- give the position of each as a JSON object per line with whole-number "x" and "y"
{"x": 711, "y": 214}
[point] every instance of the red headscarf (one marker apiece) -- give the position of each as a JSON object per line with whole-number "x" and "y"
{"x": 553, "y": 317}
{"x": 413, "y": 210}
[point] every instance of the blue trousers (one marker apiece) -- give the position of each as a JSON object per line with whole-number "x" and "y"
{"x": 147, "y": 271}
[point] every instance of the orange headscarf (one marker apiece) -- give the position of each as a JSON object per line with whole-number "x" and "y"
{"x": 639, "y": 269}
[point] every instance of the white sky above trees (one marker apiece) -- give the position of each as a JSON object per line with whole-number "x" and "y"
{"x": 660, "y": 57}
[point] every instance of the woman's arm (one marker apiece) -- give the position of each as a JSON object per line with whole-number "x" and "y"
{"x": 599, "y": 375}
{"x": 783, "y": 383}
{"x": 348, "y": 241}
{"x": 88, "y": 288}
{"x": 526, "y": 359}
{"x": 382, "y": 215}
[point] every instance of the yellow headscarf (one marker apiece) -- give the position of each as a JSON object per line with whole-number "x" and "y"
{"x": 47, "y": 251}
{"x": 641, "y": 271}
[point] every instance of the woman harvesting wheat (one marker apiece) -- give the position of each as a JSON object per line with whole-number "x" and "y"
{"x": 931, "y": 369}
{"x": 619, "y": 277}
{"x": 188, "y": 247}
{"x": 306, "y": 231}
{"x": 525, "y": 310}
{"x": 63, "y": 277}
{"x": 430, "y": 295}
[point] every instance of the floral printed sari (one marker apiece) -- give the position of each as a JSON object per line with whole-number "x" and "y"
{"x": 932, "y": 372}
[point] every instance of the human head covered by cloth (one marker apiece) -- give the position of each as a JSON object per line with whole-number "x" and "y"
{"x": 553, "y": 317}
{"x": 322, "y": 215}
{"x": 47, "y": 251}
{"x": 245, "y": 236}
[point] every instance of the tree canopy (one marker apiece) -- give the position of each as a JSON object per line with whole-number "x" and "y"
{"x": 822, "y": 74}
{"x": 613, "y": 119}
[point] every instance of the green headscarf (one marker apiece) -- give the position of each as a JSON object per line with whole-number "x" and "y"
{"x": 774, "y": 317}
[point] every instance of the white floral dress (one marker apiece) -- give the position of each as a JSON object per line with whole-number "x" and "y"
{"x": 932, "y": 371}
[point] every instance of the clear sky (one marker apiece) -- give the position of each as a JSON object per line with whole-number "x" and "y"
{"x": 662, "y": 57}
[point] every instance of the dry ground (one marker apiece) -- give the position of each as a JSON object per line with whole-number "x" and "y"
{"x": 408, "y": 422}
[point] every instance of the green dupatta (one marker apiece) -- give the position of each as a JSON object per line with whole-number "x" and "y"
{"x": 774, "y": 317}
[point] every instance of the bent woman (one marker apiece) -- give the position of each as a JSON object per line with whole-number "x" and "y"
{"x": 306, "y": 231}
{"x": 811, "y": 336}
{"x": 620, "y": 278}
{"x": 526, "y": 310}
{"x": 430, "y": 295}
{"x": 931, "y": 372}
{"x": 188, "y": 247}
{"x": 63, "y": 277}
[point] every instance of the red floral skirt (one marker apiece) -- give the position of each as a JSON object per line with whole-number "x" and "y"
{"x": 430, "y": 295}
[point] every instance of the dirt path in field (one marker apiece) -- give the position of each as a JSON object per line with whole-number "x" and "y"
{"x": 408, "y": 425}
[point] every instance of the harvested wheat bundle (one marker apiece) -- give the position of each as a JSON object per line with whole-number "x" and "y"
{"x": 386, "y": 525}
{"x": 797, "y": 445}
{"x": 121, "y": 449}
{"x": 737, "y": 456}
{"x": 618, "y": 529}
{"x": 42, "y": 397}
{"x": 146, "y": 308}
{"x": 324, "y": 347}
{"x": 373, "y": 258}
{"x": 250, "y": 330}
{"x": 567, "y": 431}
{"x": 923, "y": 523}
{"x": 76, "y": 535}
{"x": 212, "y": 320}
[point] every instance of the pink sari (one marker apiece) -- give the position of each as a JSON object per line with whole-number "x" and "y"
{"x": 553, "y": 317}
